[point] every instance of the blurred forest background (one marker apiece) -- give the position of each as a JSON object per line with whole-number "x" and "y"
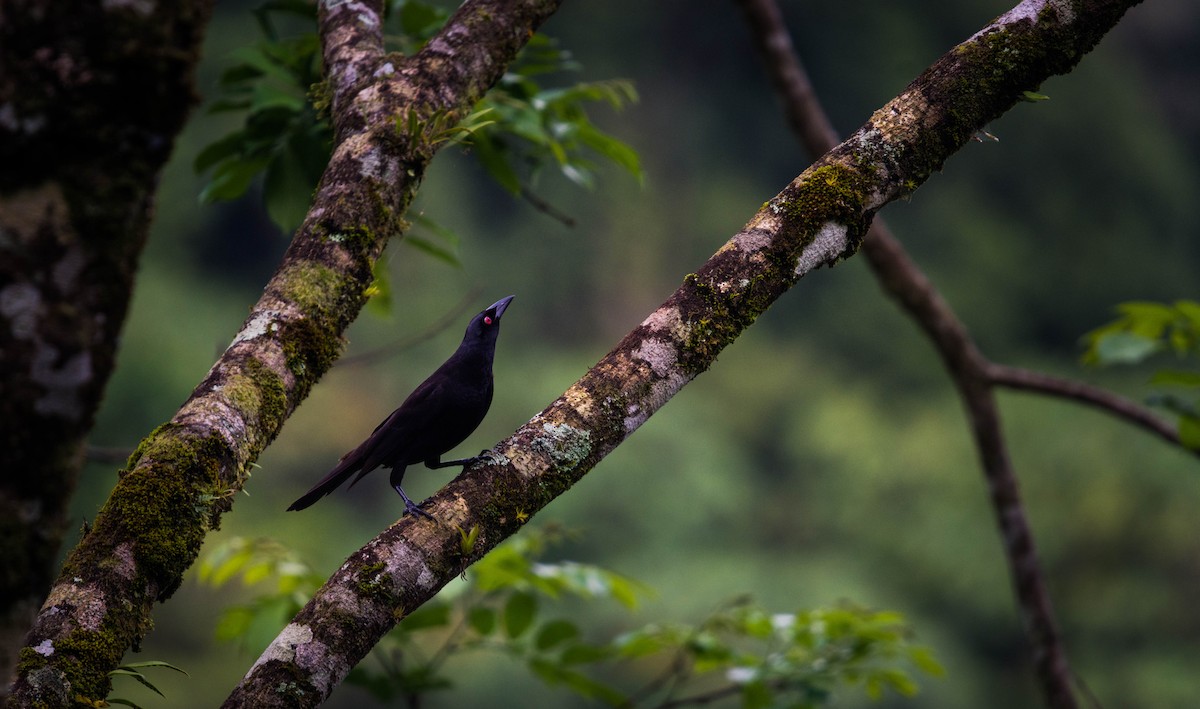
{"x": 825, "y": 455}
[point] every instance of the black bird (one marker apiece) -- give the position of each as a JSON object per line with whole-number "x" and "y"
{"x": 436, "y": 417}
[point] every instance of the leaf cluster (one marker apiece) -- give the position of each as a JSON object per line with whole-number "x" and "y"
{"x": 783, "y": 659}
{"x": 134, "y": 671}
{"x": 1145, "y": 329}
{"x": 292, "y": 582}
{"x": 282, "y": 135}
{"x": 276, "y": 88}
{"x": 506, "y": 606}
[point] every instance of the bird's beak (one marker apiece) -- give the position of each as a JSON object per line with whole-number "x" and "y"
{"x": 500, "y": 305}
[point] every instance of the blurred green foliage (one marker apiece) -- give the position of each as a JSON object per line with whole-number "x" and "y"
{"x": 1145, "y": 329}
{"x": 767, "y": 659}
{"x": 276, "y": 89}
{"x": 824, "y": 456}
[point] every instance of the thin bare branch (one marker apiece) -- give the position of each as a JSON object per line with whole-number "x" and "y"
{"x": 447, "y": 320}
{"x": 901, "y": 278}
{"x": 1102, "y": 399}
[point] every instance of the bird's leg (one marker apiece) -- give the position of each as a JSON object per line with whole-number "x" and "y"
{"x": 434, "y": 463}
{"x": 411, "y": 507}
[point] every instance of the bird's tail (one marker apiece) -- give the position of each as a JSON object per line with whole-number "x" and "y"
{"x": 350, "y": 464}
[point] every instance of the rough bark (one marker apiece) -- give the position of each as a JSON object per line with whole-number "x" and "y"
{"x": 816, "y": 220}
{"x": 184, "y": 475}
{"x": 91, "y": 98}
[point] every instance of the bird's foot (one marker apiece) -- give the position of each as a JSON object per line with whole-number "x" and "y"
{"x": 413, "y": 508}
{"x": 485, "y": 454}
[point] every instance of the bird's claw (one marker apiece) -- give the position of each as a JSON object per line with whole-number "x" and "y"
{"x": 415, "y": 510}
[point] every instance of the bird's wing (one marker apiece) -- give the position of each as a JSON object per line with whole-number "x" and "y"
{"x": 393, "y": 441}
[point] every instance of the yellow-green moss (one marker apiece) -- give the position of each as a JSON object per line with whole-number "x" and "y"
{"x": 268, "y": 392}
{"x": 310, "y": 350}
{"x": 313, "y": 287}
{"x": 371, "y": 584}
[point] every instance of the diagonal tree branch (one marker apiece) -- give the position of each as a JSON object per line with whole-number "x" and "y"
{"x": 183, "y": 476}
{"x": 816, "y": 220}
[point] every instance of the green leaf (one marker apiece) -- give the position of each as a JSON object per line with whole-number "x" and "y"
{"x": 899, "y": 681}
{"x": 581, "y": 684}
{"x": 582, "y": 653}
{"x": 231, "y": 180}
{"x": 430, "y": 615}
{"x": 429, "y": 248}
{"x": 554, "y": 633}
{"x": 266, "y": 96}
{"x": 613, "y": 149}
{"x": 287, "y": 191}
{"x": 644, "y": 641}
{"x": 225, "y": 148}
{"x": 1190, "y": 310}
{"x": 482, "y": 619}
{"x": 756, "y": 695}
{"x": 519, "y": 612}
{"x": 139, "y": 677}
{"x": 1124, "y": 348}
{"x": 257, "y": 572}
{"x": 379, "y": 293}
{"x": 155, "y": 663}
{"x": 225, "y": 564}
{"x": 1189, "y": 431}
{"x": 492, "y": 157}
{"x": 234, "y": 623}
{"x": 420, "y": 20}
{"x": 1034, "y": 97}
{"x": 1175, "y": 377}
{"x": 923, "y": 659}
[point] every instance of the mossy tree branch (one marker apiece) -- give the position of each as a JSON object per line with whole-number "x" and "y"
{"x": 91, "y": 98}
{"x": 816, "y": 220}
{"x": 184, "y": 475}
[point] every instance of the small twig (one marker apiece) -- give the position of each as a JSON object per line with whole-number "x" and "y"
{"x": 546, "y": 208}
{"x": 702, "y": 699}
{"x": 394, "y": 348}
{"x": 1119, "y": 406}
{"x": 669, "y": 677}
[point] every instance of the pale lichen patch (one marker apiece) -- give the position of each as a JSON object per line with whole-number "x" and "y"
{"x": 661, "y": 355}
{"x": 263, "y": 322}
{"x": 20, "y": 303}
{"x": 62, "y": 381}
{"x": 666, "y": 320}
{"x": 86, "y": 607}
{"x": 830, "y": 241}
{"x": 660, "y": 393}
{"x": 283, "y": 647}
{"x": 564, "y": 444}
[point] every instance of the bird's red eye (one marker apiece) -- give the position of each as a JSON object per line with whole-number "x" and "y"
{"x": 487, "y": 320}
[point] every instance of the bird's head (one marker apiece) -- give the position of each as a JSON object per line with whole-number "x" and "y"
{"x": 486, "y": 325}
